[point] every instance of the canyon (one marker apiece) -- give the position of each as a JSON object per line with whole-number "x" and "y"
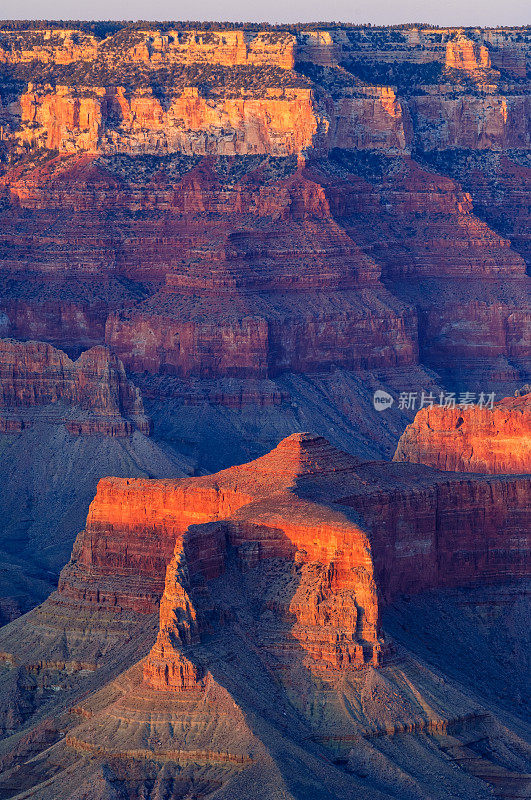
{"x": 214, "y": 239}
{"x": 276, "y": 579}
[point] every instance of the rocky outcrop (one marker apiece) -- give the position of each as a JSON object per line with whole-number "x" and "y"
{"x": 463, "y": 53}
{"x": 440, "y": 234}
{"x": 493, "y": 439}
{"x": 374, "y": 119}
{"x": 466, "y": 335}
{"x": 343, "y": 532}
{"x": 498, "y": 183}
{"x": 225, "y": 47}
{"x": 279, "y": 122}
{"x": 47, "y": 46}
{"x": 268, "y": 343}
{"x": 131, "y": 531}
{"x": 95, "y": 386}
{"x": 490, "y": 121}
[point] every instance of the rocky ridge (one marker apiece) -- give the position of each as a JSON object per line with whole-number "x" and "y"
{"x": 63, "y": 424}
{"x": 90, "y": 395}
{"x": 278, "y": 571}
{"x": 471, "y": 438}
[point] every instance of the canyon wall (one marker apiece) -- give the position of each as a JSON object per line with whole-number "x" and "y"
{"x": 230, "y": 92}
{"x": 281, "y": 123}
{"x": 231, "y": 201}
{"x": 493, "y": 439}
{"x": 264, "y": 227}
{"x": 90, "y": 395}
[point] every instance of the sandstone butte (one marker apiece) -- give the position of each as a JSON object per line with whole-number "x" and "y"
{"x": 465, "y": 54}
{"x": 272, "y": 577}
{"x": 356, "y": 534}
{"x": 90, "y": 395}
{"x": 471, "y": 439}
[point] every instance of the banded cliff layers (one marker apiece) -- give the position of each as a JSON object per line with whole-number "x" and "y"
{"x": 94, "y": 388}
{"x": 261, "y": 227}
{"x": 471, "y": 439}
{"x": 236, "y": 213}
{"x": 270, "y": 670}
{"x": 63, "y": 425}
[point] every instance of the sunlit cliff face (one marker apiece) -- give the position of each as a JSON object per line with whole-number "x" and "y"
{"x": 471, "y": 439}
{"x": 243, "y": 93}
{"x": 210, "y": 239}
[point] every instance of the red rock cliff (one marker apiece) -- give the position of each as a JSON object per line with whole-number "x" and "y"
{"x": 90, "y": 395}
{"x": 471, "y": 438}
{"x": 350, "y": 531}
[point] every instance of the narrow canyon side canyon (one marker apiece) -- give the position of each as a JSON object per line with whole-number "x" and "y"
{"x": 214, "y": 239}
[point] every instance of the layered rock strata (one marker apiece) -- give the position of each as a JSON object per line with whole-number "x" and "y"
{"x": 238, "y": 213}
{"x": 352, "y": 532}
{"x": 278, "y": 570}
{"x": 280, "y": 123}
{"x": 267, "y": 168}
{"x": 471, "y": 438}
{"x": 95, "y": 387}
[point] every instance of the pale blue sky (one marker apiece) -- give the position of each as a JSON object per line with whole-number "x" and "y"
{"x": 378, "y": 12}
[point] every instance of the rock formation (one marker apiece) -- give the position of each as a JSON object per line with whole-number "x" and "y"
{"x": 264, "y": 227}
{"x": 341, "y": 523}
{"x": 64, "y": 424}
{"x": 270, "y": 625}
{"x": 281, "y": 123}
{"x": 463, "y": 53}
{"x": 471, "y": 438}
{"x": 95, "y": 386}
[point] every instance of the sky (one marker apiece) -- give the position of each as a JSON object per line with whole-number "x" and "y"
{"x": 485, "y": 13}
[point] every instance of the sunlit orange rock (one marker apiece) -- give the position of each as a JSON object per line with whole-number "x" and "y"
{"x": 279, "y": 121}
{"x": 225, "y": 47}
{"x": 463, "y": 53}
{"x": 471, "y": 438}
{"x": 60, "y": 120}
{"x": 349, "y": 534}
{"x": 47, "y": 46}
